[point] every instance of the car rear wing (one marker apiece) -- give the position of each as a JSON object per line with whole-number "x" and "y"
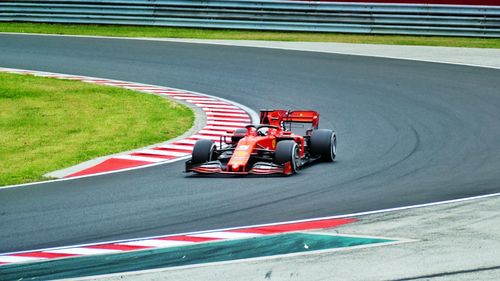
{"x": 280, "y": 117}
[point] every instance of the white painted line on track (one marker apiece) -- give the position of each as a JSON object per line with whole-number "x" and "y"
{"x": 16, "y": 259}
{"x": 83, "y": 251}
{"x": 226, "y": 235}
{"x": 157, "y": 243}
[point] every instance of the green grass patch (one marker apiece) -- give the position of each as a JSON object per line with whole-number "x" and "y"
{"x": 171, "y": 32}
{"x": 47, "y": 124}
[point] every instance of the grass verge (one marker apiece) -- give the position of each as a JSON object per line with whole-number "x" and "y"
{"x": 47, "y": 124}
{"x": 171, "y": 32}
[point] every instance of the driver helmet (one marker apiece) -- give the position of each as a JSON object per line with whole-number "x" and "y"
{"x": 263, "y": 131}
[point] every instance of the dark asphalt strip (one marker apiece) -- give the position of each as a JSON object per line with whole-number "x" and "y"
{"x": 409, "y": 133}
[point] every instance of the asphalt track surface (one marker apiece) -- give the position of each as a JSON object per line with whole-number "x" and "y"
{"x": 409, "y": 133}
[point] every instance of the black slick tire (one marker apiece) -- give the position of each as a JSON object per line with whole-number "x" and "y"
{"x": 286, "y": 151}
{"x": 203, "y": 151}
{"x": 324, "y": 144}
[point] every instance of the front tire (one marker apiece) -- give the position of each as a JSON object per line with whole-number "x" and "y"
{"x": 203, "y": 151}
{"x": 288, "y": 151}
{"x": 324, "y": 144}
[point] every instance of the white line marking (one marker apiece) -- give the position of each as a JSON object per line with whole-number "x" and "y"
{"x": 226, "y": 235}
{"x": 83, "y": 251}
{"x": 14, "y": 259}
{"x": 157, "y": 243}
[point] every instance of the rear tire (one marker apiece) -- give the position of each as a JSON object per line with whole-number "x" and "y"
{"x": 324, "y": 144}
{"x": 288, "y": 151}
{"x": 203, "y": 151}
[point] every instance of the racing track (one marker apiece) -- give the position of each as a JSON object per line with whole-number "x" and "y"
{"x": 409, "y": 133}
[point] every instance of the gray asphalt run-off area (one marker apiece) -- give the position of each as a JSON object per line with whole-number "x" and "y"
{"x": 410, "y": 132}
{"x": 456, "y": 241}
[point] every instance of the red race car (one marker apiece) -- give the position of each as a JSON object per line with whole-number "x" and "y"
{"x": 268, "y": 148}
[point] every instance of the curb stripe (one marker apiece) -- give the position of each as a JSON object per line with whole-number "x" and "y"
{"x": 220, "y": 128}
{"x": 164, "y": 152}
{"x": 83, "y": 251}
{"x": 190, "y": 238}
{"x": 212, "y": 132}
{"x": 166, "y": 241}
{"x": 16, "y": 259}
{"x": 44, "y": 255}
{"x": 157, "y": 243}
{"x": 176, "y": 147}
{"x": 215, "y": 110}
{"x": 199, "y": 137}
{"x": 229, "y": 119}
{"x": 212, "y": 114}
{"x": 187, "y": 142}
{"x": 119, "y": 247}
{"x": 138, "y": 158}
{"x": 226, "y": 235}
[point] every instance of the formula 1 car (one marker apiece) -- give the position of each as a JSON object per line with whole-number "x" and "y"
{"x": 268, "y": 148}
